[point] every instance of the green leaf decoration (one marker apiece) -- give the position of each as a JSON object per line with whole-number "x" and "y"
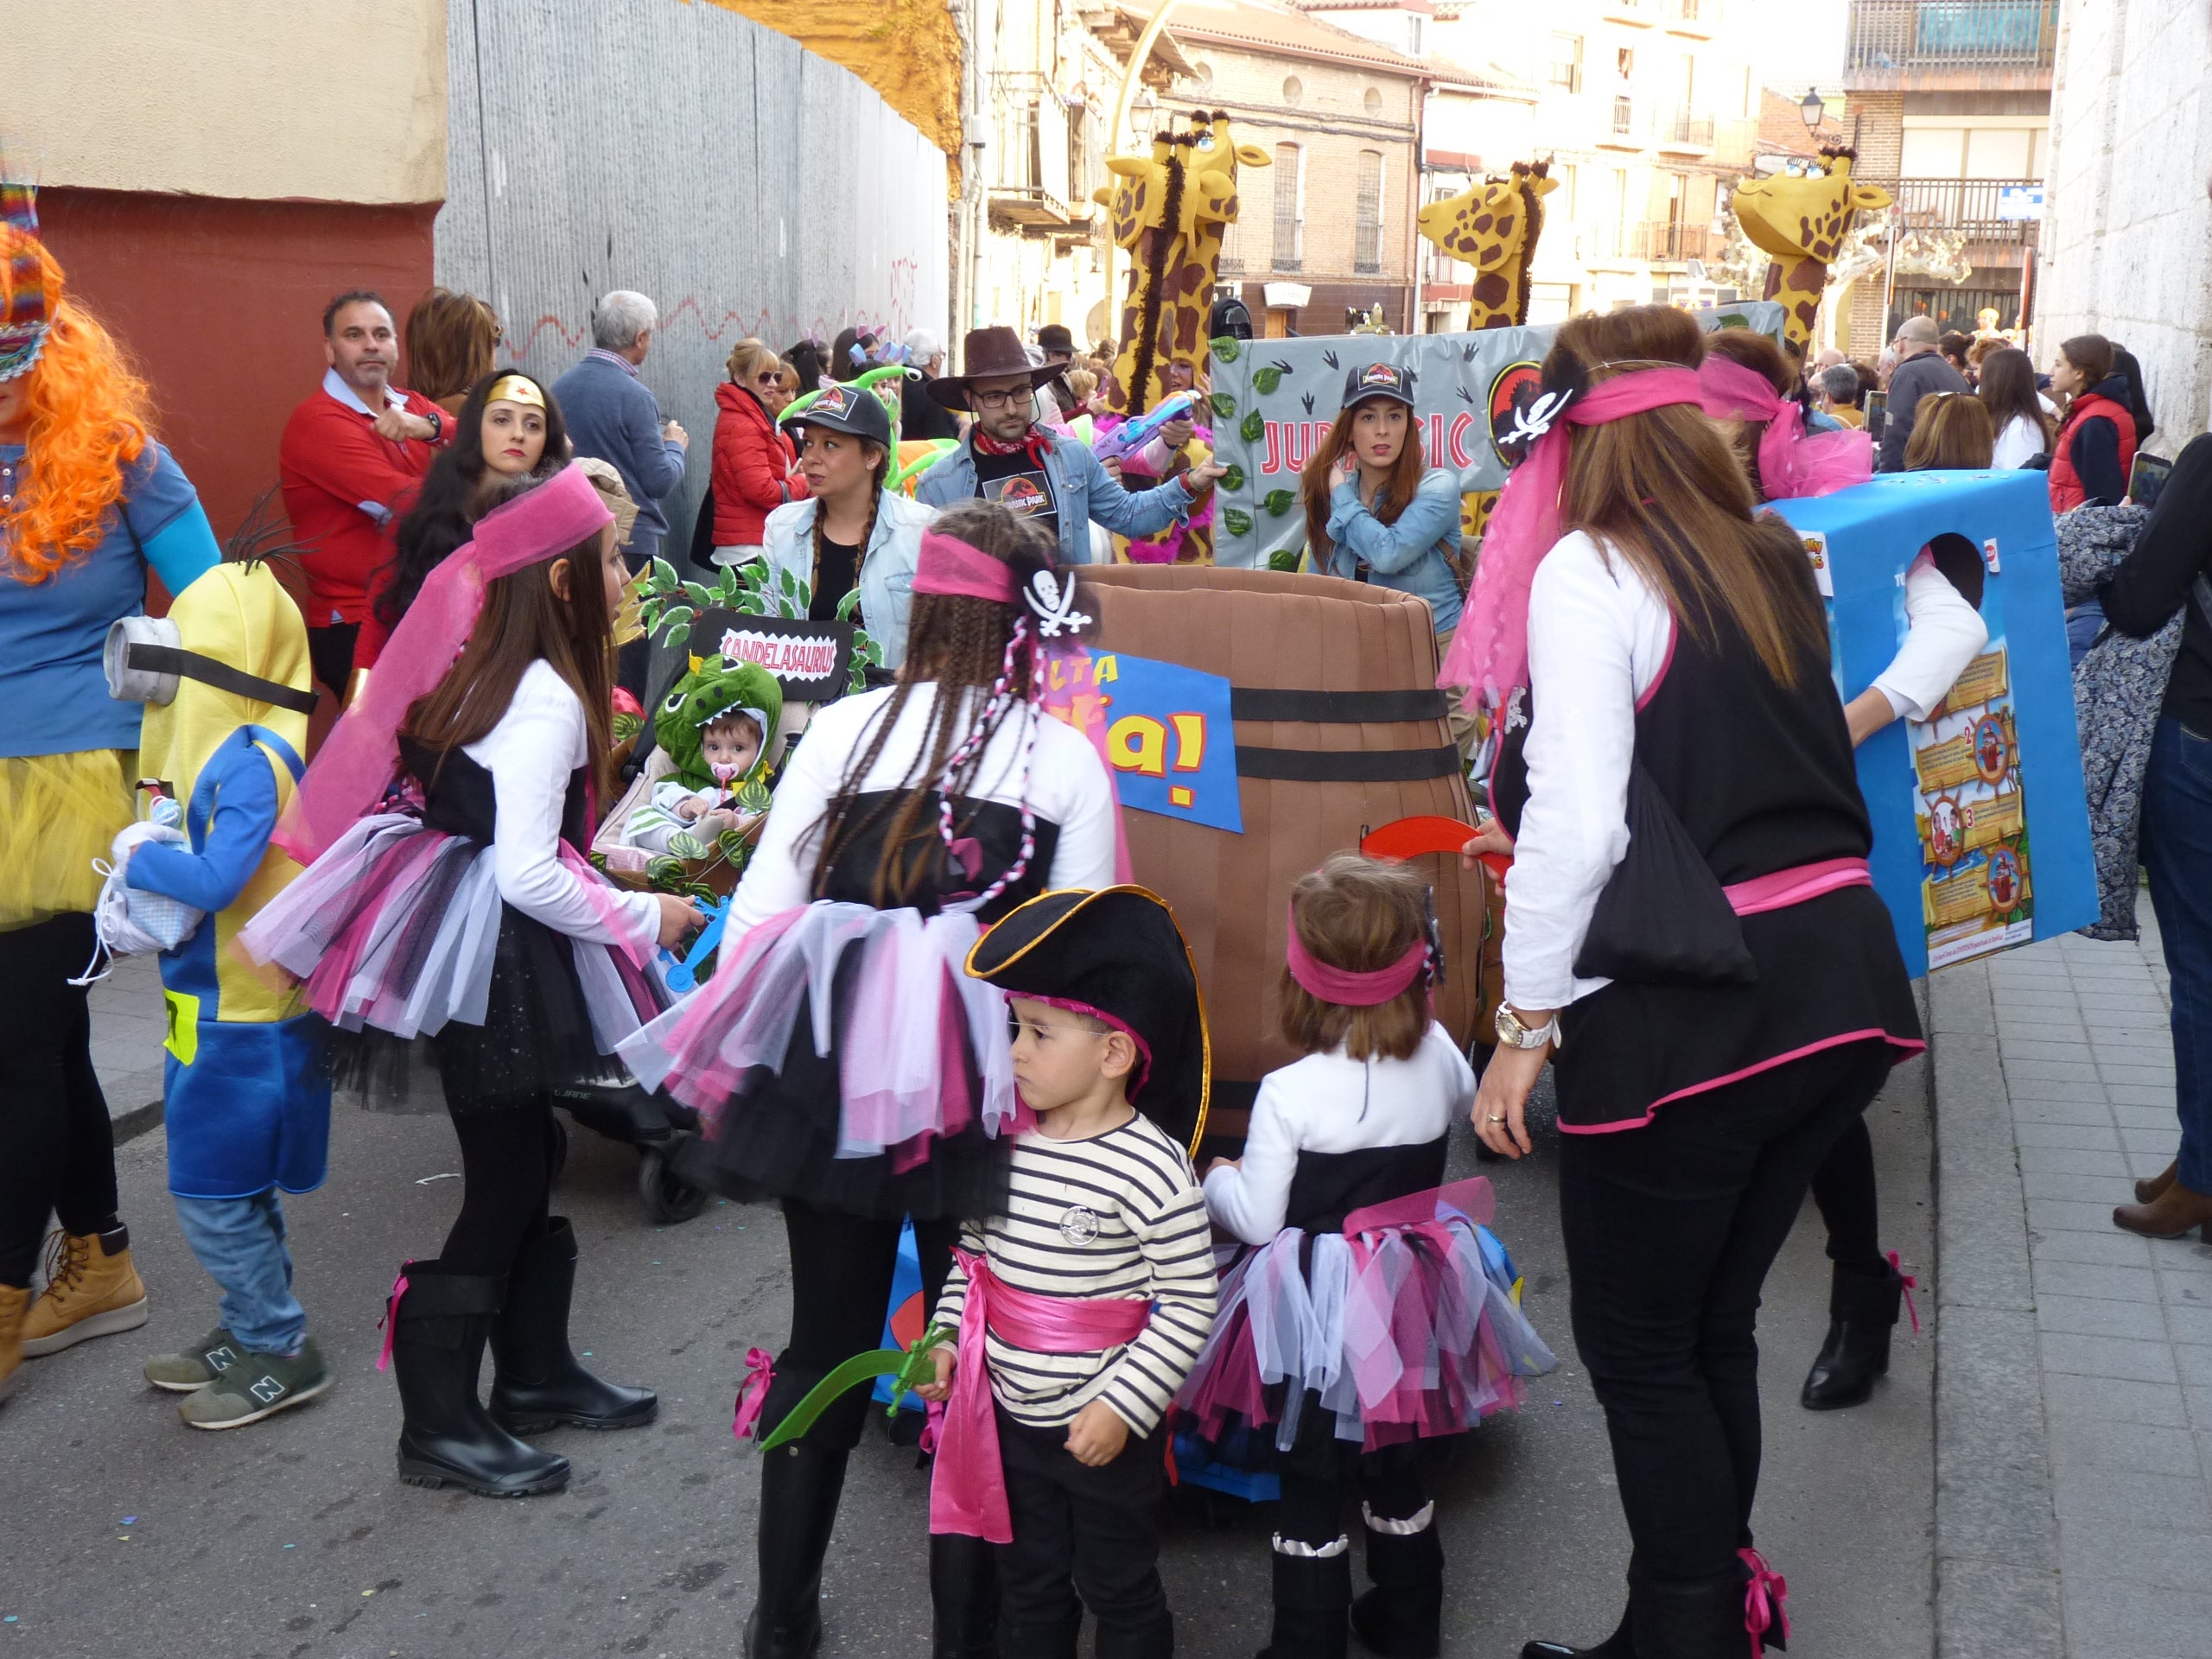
{"x": 627, "y": 726}
{"x": 1267, "y": 379}
{"x": 700, "y": 594}
{"x": 686, "y": 846}
{"x": 1239, "y": 524}
{"x": 677, "y": 637}
{"x": 1224, "y": 406}
{"x": 663, "y": 870}
{"x": 1284, "y": 559}
{"x": 1731, "y": 320}
{"x": 755, "y": 575}
{"x": 752, "y": 796}
{"x": 1232, "y": 477}
{"x": 1227, "y": 348}
{"x": 665, "y": 576}
{"x": 1278, "y": 502}
{"x": 849, "y": 604}
{"x": 787, "y": 581}
{"x": 1253, "y": 428}
{"x": 679, "y": 613}
{"x": 730, "y": 844}
{"x": 701, "y": 891}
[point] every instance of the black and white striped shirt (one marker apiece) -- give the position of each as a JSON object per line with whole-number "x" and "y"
{"x": 1118, "y": 1215}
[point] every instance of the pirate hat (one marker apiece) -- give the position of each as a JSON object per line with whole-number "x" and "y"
{"x": 989, "y": 354}
{"x": 1116, "y": 953}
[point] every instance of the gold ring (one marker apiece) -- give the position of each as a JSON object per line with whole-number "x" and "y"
{"x": 1496, "y": 1117}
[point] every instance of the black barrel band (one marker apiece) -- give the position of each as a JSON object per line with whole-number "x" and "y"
{"x": 1335, "y": 707}
{"x": 1347, "y": 765}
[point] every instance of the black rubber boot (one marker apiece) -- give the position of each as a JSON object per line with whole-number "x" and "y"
{"x": 963, "y": 1597}
{"x": 1695, "y": 1619}
{"x": 535, "y": 1382}
{"x": 1153, "y": 1639}
{"x": 438, "y": 1332}
{"x": 1621, "y": 1644}
{"x": 1312, "y": 1596}
{"x": 1862, "y": 1309}
{"x": 800, "y": 1486}
{"x": 1053, "y": 1641}
{"x": 1402, "y": 1616}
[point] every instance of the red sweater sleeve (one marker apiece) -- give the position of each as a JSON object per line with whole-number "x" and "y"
{"x": 746, "y": 470}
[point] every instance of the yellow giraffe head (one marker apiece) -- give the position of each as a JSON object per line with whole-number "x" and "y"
{"x": 1494, "y": 226}
{"x": 1135, "y": 200}
{"x": 1801, "y": 219}
{"x": 1209, "y": 189}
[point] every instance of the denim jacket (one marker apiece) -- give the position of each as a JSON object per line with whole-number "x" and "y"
{"x": 1083, "y": 491}
{"x": 1414, "y": 555}
{"x": 887, "y": 578}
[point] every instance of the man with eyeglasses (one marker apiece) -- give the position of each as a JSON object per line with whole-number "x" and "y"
{"x": 1051, "y": 477}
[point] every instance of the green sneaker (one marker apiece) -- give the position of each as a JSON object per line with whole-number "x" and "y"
{"x": 256, "y": 1386}
{"x": 197, "y": 1366}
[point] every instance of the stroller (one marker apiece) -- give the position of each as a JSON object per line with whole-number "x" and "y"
{"x": 659, "y": 1127}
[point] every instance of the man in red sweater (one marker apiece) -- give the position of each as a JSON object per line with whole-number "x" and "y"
{"x": 349, "y": 451}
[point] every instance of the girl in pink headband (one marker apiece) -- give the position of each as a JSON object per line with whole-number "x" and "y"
{"x": 1340, "y": 1202}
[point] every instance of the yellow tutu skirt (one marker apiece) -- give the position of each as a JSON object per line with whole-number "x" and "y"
{"x": 58, "y": 813}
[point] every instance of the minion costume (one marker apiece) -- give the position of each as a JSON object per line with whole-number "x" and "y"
{"x": 228, "y": 688}
{"x": 713, "y": 690}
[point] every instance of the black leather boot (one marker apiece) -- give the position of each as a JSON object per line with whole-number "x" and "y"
{"x": 535, "y": 1382}
{"x": 1693, "y": 1619}
{"x": 800, "y": 1486}
{"x": 440, "y": 1323}
{"x": 963, "y": 1597}
{"x": 1862, "y": 1309}
{"x": 1621, "y": 1644}
{"x": 1402, "y": 1616}
{"x": 1312, "y": 1595}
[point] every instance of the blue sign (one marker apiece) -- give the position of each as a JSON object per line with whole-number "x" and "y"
{"x": 1167, "y": 732}
{"x": 2019, "y": 201}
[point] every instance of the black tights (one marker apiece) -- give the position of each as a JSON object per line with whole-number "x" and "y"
{"x": 57, "y": 1150}
{"x": 1843, "y": 1187}
{"x": 1315, "y": 1483}
{"x": 506, "y": 1174}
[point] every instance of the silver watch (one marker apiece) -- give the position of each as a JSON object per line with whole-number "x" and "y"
{"x": 1511, "y": 1033}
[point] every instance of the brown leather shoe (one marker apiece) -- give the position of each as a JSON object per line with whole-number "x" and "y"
{"x": 13, "y": 1304}
{"x": 2172, "y": 1213}
{"x": 2148, "y": 1191}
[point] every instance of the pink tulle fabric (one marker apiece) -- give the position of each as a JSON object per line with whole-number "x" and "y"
{"x": 357, "y": 762}
{"x": 1793, "y": 462}
{"x": 1489, "y": 649}
{"x": 1399, "y": 1325}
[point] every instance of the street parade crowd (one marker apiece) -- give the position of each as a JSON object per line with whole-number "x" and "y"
{"x": 941, "y": 998}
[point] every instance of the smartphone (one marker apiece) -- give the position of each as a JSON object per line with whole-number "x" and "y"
{"x": 2147, "y": 478}
{"x": 1877, "y": 405}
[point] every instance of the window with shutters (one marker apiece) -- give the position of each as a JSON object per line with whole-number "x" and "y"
{"x": 1367, "y": 215}
{"x": 1290, "y": 204}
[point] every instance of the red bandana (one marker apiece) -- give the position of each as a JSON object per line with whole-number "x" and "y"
{"x": 1036, "y": 443}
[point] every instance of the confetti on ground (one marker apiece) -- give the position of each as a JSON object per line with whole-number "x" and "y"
{"x": 129, "y": 1520}
{"x": 449, "y": 1175}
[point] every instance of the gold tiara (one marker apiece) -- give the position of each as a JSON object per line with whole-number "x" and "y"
{"x": 516, "y": 389}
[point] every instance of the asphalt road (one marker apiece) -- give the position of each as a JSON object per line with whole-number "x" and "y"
{"x": 123, "y": 1533}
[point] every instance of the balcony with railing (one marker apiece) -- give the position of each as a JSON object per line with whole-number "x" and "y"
{"x": 1944, "y": 45}
{"x": 1665, "y": 241}
{"x": 1976, "y": 209}
{"x": 1680, "y": 129}
{"x": 1617, "y": 123}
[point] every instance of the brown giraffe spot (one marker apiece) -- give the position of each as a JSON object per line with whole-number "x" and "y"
{"x": 1504, "y": 226}
{"x": 1491, "y": 289}
{"x": 1773, "y": 281}
{"x": 1809, "y": 274}
{"x": 1482, "y": 221}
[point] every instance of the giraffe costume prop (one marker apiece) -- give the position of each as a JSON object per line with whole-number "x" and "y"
{"x": 1801, "y": 219}
{"x": 1494, "y": 226}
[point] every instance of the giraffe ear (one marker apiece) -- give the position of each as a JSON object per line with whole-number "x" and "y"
{"x": 1869, "y": 197}
{"x": 1102, "y": 196}
{"x": 1253, "y": 155}
{"x": 1130, "y": 167}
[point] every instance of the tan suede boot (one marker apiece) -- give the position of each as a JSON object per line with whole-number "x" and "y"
{"x": 92, "y": 1290}
{"x": 13, "y": 1302}
{"x": 2172, "y": 1213}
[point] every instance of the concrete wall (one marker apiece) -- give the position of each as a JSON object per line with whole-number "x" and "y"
{"x": 2127, "y": 247}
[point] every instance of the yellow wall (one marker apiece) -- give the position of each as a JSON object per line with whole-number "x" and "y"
{"x": 329, "y": 100}
{"x": 907, "y": 50}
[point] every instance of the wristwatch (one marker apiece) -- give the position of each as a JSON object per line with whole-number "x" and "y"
{"x": 1511, "y": 1033}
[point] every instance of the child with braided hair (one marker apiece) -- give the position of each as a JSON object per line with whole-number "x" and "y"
{"x": 910, "y": 819}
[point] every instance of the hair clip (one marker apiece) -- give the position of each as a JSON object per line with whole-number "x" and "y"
{"x": 1054, "y": 606}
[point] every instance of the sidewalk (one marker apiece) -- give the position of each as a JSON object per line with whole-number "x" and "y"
{"x": 129, "y": 1023}
{"x": 2074, "y": 1388}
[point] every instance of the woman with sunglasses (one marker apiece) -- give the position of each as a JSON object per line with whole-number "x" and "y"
{"x": 754, "y": 461}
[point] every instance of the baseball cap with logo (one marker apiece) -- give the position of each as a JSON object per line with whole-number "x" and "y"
{"x": 1379, "y": 380}
{"x": 848, "y": 409}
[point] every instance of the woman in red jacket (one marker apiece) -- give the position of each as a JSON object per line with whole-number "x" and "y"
{"x": 2089, "y": 462}
{"x": 753, "y": 471}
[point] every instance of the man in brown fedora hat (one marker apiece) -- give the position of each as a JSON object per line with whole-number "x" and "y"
{"x": 1008, "y": 458}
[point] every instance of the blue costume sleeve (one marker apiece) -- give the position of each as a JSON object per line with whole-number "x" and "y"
{"x": 1394, "y": 548}
{"x": 168, "y": 521}
{"x": 237, "y": 835}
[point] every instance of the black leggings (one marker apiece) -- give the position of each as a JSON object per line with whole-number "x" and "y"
{"x": 57, "y": 1149}
{"x": 1843, "y": 1187}
{"x": 1670, "y": 1230}
{"x": 1315, "y": 1480}
{"x": 506, "y": 1175}
{"x": 841, "y": 1269}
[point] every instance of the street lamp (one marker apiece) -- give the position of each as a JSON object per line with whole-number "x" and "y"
{"x": 1144, "y": 111}
{"x": 1812, "y": 109}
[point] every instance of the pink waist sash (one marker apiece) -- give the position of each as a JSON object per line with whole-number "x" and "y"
{"x": 1798, "y": 884}
{"x": 968, "y": 1486}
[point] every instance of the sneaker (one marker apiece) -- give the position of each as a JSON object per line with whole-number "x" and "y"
{"x": 256, "y": 1386}
{"x": 197, "y": 1366}
{"x": 13, "y": 1304}
{"x": 92, "y": 1290}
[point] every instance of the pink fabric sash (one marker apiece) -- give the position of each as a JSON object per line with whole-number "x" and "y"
{"x": 1793, "y": 462}
{"x": 752, "y": 1393}
{"x": 1766, "y": 1601}
{"x": 950, "y": 566}
{"x": 1784, "y": 888}
{"x": 1344, "y": 986}
{"x": 967, "y": 1486}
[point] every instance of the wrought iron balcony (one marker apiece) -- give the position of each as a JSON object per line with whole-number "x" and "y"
{"x": 1937, "y": 44}
{"x": 1667, "y": 241}
{"x": 1970, "y": 206}
{"x": 1680, "y": 129}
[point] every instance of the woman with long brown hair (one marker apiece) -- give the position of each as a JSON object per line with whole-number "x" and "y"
{"x": 2094, "y": 447}
{"x": 474, "y": 919}
{"x": 1690, "y": 924}
{"x": 910, "y": 819}
{"x": 1951, "y": 433}
{"x": 452, "y": 339}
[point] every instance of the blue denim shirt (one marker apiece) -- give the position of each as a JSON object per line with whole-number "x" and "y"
{"x": 1412, "y": 555}
{"x": 1082, "y": 491}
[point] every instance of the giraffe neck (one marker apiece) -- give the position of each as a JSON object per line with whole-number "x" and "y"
{"x": 1798, "y": 280}
{"x": 1511, "y": 312}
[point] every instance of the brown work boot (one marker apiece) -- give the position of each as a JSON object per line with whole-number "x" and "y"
{"x": 2169, "y": 1215}
{"x": 2148, "y": 1191}
{"x": 92, "y": 1290}
{"x": 12, "y": 1304}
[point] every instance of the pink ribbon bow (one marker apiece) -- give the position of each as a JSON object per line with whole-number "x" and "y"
{"x": 1910, "y": 1284}
{"x": 752, "y": 1393}
{"x": 1766, "y": 1600}
{"x": 390, "y": 1322}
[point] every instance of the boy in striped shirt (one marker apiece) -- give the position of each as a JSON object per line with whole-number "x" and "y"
{"x": 1084, "y": 1306}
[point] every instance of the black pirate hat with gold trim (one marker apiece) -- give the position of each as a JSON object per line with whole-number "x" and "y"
{"x": 1117, "y": 953}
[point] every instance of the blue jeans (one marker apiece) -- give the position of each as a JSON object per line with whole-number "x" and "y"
{"x": 241, "y": 1243}
{"x": 2178, "y": 852}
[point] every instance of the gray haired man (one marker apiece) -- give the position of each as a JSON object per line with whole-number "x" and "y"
{"x": 611, "y": 414}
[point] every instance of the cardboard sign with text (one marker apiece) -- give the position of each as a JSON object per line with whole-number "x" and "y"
{"x": 810, "y": 660}
{"x": 1170, "y": 738}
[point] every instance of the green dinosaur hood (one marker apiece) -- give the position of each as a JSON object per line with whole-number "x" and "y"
{"x": 714, "y": 689}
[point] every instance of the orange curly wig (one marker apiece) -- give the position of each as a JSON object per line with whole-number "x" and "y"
{"x": 89, "y": 412}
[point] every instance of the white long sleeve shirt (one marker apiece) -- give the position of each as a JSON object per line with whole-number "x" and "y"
{"x": 532, "y": 751}
{"x": 1067, "y": 786}
{"x": 1331, "y": 1103}
{"x": 1943, "y": 633}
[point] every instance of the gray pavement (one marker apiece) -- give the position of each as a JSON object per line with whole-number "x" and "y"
{"x": 121, "y": 1530}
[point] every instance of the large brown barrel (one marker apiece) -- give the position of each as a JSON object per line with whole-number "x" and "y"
{"x": 1339, "y": 729}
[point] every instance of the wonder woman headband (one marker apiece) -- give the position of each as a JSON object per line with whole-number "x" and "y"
{"x": 516, "y": 389}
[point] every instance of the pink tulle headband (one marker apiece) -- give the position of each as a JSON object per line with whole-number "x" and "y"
{"x": 540, "y": 523}
{"x": 950, "y": 566}
{"x": 1348, "y": 989}
{"x": 1793, "y": 462}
